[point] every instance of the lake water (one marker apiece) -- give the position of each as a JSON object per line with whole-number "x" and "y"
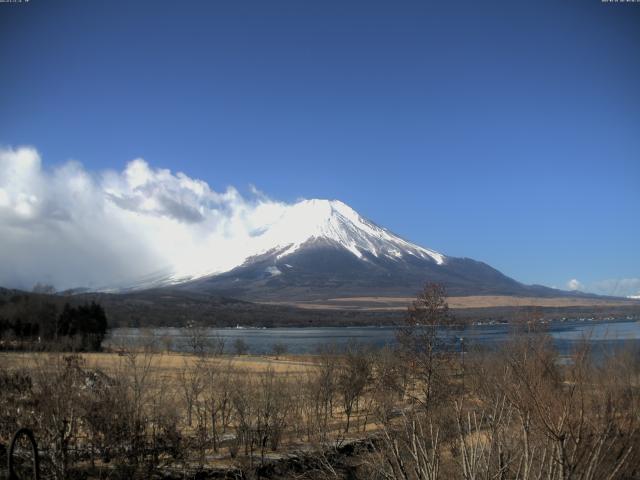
{"x": 606, "y": 335}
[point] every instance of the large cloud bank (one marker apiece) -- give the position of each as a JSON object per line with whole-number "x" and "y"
{"x": 68, "y": 227}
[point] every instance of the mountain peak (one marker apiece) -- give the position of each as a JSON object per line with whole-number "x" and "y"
{"x": 318, "y": 210}
{"x": 294, "y": 228}
{"x": 325, "y": 249}
{"x": 338, "y": 223}
{"x": 322, "y": 248}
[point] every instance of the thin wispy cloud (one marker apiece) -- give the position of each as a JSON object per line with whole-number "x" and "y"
{"x": 617, "y": 287}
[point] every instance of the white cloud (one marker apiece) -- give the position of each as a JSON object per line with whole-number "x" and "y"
{"x": 574, "y": 284}
{"x": 617, "y": 287}
{"x": 70, "y": 227}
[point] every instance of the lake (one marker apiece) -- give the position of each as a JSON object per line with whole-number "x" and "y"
{"x": 610, "y": 334}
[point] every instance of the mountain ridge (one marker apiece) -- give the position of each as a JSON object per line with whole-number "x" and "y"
{"x": 321, "y": 249}
{"x": 324, "y": 249}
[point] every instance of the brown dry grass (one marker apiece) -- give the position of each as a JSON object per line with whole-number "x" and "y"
{"x": 168, "y": 363}
{"x": 168, "y": 366}
{"x": 475, "y": 301}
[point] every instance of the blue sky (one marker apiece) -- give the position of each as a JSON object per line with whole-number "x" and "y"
{"x": 504, "y": 131}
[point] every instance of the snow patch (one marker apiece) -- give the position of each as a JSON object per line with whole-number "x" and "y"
{"x": 273, "y": 271}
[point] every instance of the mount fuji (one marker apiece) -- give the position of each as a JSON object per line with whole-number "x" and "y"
{"x": 320, "y": 249}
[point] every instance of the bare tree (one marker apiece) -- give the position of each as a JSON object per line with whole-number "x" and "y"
{"x": 196, "y": 338}
{"x": 59, "y": 408}
{"x": 421, "y": 343}
{"x": 410, "y": 451}
{"x": 191, "y": 380}
{"x": 319, "y": 387}
{"x": 217, "y": 345}
{"x": 240, "y": 346}
{"x": 389, "y": 382}
{"x": 353, "y": 377}
{"x": 217, "y": 396}
{"x": 279, "y": 349}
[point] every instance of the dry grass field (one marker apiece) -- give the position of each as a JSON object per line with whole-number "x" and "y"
{"x": 420, "y": 406}
{"x": 476, "y": 301}
{"x": 169, "y": 364}
{"x": 215, "y": 410}
{"x": 144, "y": 414}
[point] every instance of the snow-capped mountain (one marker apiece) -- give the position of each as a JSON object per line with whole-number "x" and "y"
{"x": 325, "y": 249}
{"x": 336, "y": 222}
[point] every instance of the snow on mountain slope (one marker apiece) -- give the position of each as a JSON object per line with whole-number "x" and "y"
{"x": 337, "y": 222}
{"x": 324, "y": 249}
{"x": 287, "y": 230}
